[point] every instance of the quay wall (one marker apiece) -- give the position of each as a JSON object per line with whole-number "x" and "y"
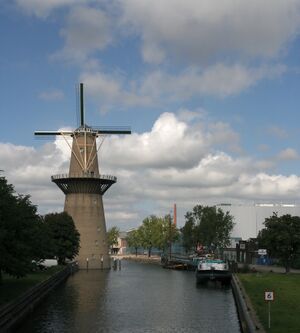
{"x": 13, "y": 313}
{"x": 140, "y": 258}
{"x": 247, "y": 316}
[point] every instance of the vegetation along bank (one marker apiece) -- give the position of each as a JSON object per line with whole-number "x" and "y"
{"x": 284, "y": 309}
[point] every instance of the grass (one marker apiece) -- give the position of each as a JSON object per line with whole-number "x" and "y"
{"x": 12, "y": 287}
{"x": 285, "y": 309}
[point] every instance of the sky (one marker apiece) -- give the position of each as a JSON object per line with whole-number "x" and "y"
{"x": 210, "y": 90}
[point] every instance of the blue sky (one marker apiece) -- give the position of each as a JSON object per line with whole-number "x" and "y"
{"x": 210, "y": 90}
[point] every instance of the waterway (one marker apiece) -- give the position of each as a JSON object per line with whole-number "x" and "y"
{"x": 137, "y": 298}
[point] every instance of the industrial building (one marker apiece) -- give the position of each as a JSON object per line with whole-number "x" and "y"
{"x": 249, "y": 218}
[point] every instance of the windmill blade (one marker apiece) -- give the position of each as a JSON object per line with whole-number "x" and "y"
{"x": 53, "y": 133}
{"x": 112, "y": 130}
{"x": 81, "y": 105}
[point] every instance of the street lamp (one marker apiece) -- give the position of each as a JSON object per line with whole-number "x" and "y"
{"x": 170, "y": 235}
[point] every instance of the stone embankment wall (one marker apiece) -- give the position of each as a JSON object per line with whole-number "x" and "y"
{"x": 248, "y": 319}
{"x": 141, "y": 258}
{"x": 13, "y": 313}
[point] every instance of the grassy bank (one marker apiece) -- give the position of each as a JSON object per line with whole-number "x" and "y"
{"x": 12, "y": 287}
{"x": 285, "y": 309}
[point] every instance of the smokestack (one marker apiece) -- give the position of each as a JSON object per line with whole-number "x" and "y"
{"x": 175, "y": 215}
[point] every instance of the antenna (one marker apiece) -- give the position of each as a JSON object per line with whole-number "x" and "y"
{"x": 81, "y": 106}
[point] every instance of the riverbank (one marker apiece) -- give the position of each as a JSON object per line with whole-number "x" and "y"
{"x": 21, "y": 296}
{"x": 140, "y": 258}
{"x": 13, "y": 287}
{"x": 284, "y": 308}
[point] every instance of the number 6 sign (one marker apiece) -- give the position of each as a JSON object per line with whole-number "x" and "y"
{"x": 269, "y": 295}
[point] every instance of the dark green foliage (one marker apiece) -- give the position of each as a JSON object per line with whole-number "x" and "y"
{"x": 281, "y": 237}
{"x": 26, "y": 237}
{"x": 13, "y": 287}
{"x": 65, "y": 239}
{"x": 207, "y": 226}
{"x": 21, "y": 231}
{"x": 189, "y": 233}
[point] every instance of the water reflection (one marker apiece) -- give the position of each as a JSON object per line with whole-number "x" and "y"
{"x": 139, "y": 298}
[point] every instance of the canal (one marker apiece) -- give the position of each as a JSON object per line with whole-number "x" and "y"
{"x": 137, "y": 298}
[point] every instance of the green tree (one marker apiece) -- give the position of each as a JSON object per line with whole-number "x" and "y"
{"x": 65, "y": 239}
{"x": 208, "y": 226}
{"x": 22, "y": 234}
{"x": 151, "y": 233}
{"x": 281, "y": 237}
{"x": 134, "y": 239}
{"x": 157, "y": 232}
{"x": 168, "y": 233}
{"x": 112, "y": 236}
{"x": 188, "y": 235}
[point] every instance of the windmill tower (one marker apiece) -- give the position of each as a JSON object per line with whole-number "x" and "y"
{"x": 84, "y": 187}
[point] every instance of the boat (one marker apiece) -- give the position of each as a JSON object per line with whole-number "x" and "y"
{"x": 213, "y": 270}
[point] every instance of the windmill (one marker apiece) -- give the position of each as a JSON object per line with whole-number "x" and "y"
{"x": 84, "y": 187}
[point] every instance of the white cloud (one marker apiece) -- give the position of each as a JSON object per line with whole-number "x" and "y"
{"x": 217, "y": 80}
{"x": 159, "y": 87}
{"x": 170, "y": 143}
{"x": 203, "y": 30}
{"x": 112, "y": 90}
{"x": 45, "y": 7}
{"x": 221, "y": 133}
{"x": 288, "y": 154}
{"x": 194, "y": 31}
{"x": 87, "y": 30}
{"x": 52, "y": 95}
{"x": 261, "y": 186}
{"x": 263, "y": 147}
{"x": 177, "y": 161}
{"x": 277, "y": 132}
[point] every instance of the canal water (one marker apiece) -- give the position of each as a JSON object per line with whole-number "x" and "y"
{"x": 137, "y": 298}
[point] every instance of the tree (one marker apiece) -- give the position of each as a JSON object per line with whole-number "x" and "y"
{"x": 134, "y": 239}
{"x": 64, "y": 236}
{"x": 281, "y": 237}
{"x": 188, "y": 235}
{"x": 168, "y": 233}
{"x": 22, "y": 234}
{"x": 157, "y": 232}
{"x": 113, "y": 235}
{"x": 151, "y": 233}
{"x": 208, "y": 226}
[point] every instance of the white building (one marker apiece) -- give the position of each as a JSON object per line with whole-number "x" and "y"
{"x": 249, "y": 218}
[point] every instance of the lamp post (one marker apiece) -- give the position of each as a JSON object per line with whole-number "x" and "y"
{"x": 170, "y": 236}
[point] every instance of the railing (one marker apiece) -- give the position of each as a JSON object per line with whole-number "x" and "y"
{"x": 85, "y": 175}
